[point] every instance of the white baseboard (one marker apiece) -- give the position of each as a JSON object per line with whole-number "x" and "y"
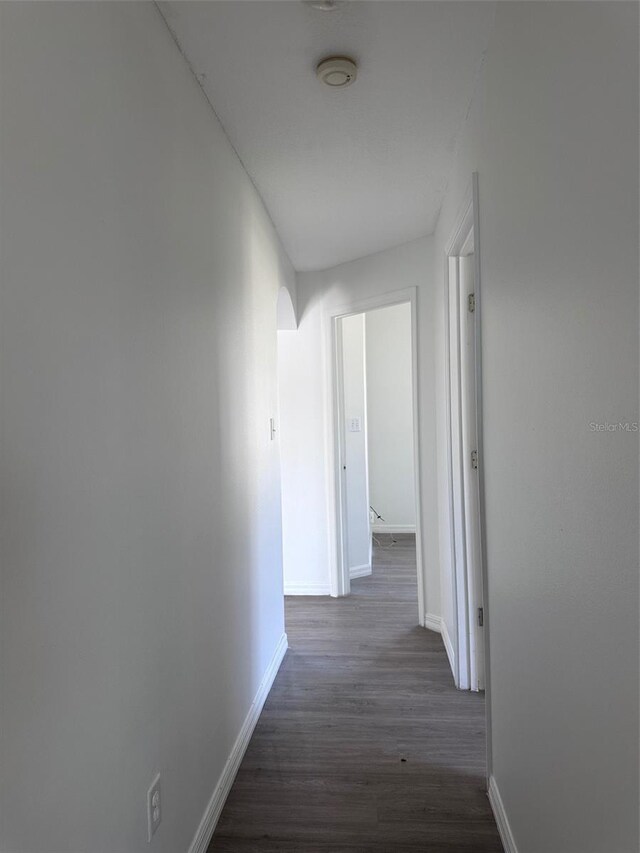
{"x": 213, "y": 811}
{"x": 508, "y": 841}
{"x": 449, "y": 647}
{"x": 360, "y": 571}
{"x": 393, "y": 528}
{"x": 307, "y": 589}
{"x": 433, "y": 623}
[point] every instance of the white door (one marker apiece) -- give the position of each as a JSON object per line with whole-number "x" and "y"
{"x": 469, "y": 437}
{"x": 459, "y": 546}
{"x": 355, "y": 476}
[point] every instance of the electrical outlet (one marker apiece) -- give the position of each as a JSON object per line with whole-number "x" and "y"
{"x": 154, "y": 807}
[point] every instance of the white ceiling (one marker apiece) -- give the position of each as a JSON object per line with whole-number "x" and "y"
{"x": 342, "y": 173}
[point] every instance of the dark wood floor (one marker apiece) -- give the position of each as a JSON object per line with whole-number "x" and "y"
{"x": 364, "y": 744}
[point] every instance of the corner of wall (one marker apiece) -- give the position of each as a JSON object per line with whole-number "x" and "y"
{"x": 212, "y": 813}
{"x": 500, "y": 814}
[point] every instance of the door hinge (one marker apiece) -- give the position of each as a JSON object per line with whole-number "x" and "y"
{"x": 474, "y": 458}
{"x": 471, "y": 302}
{"x": 481, "y": 616}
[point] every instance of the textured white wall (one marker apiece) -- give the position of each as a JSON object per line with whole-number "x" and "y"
{"x": 553, "y": 134}
{"x": 141, "y": 568}
{"x": 390, "y": 415}
{"x": 356, "y": 486}
{"x": 305, "y": 430}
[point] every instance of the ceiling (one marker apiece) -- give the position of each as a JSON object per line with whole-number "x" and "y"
{"x": 343, "y": 173}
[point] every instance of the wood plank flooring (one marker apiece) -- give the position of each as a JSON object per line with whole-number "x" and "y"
{"x": 364, "y": 745}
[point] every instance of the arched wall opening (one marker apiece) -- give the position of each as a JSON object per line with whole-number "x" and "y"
{"x": 286, "y": 320}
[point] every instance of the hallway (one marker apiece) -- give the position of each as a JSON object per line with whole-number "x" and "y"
{"x": 364, "y": 744}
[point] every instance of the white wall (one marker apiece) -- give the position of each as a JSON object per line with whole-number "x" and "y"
{"x": 141, "y": 568}
{"x": 356, "y": 486}
{"x": 304, "y": 384}
{"x": 553, "y": 134}
{"x": 305, "y": 554}
{"x": 390, "y": 416}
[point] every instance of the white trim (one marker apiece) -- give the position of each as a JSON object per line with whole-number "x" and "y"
{"x": 394, "y": 528}
{"x": 366, "y": 444}
{"x": 433, "y": 623}
{"x": 504, "y": 828}
{"x": 481, "y": 479}
{"x": 336, "y": 515}
{"x": 459, "y": 236}
{"x": 307, "y": 589}
{"x": 360, "y": 571}
{"x": 337, "y": 547}
{"x": 464, "y": 224}
{"x": 446, "y": 639}
{"x": 214, "y": 808}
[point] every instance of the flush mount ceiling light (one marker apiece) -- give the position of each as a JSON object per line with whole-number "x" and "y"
{"x": 323, "y": 5}
{"x": 337, "y": 71}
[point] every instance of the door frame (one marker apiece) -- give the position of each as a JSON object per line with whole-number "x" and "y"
{"x": 340, "y": 580}
{"x": 341, "y": 435}
{"x": 466, "y": 229}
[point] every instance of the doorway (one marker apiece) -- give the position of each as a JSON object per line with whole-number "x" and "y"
{"x": 376, "y": 441}
{"x": 465, "y": 625}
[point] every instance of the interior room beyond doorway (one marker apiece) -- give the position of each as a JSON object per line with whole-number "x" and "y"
{"x": 375, "y": 426}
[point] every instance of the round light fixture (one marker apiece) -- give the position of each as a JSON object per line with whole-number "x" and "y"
{"x": 323, "y": 5}
{"x": 337, "y": 71}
